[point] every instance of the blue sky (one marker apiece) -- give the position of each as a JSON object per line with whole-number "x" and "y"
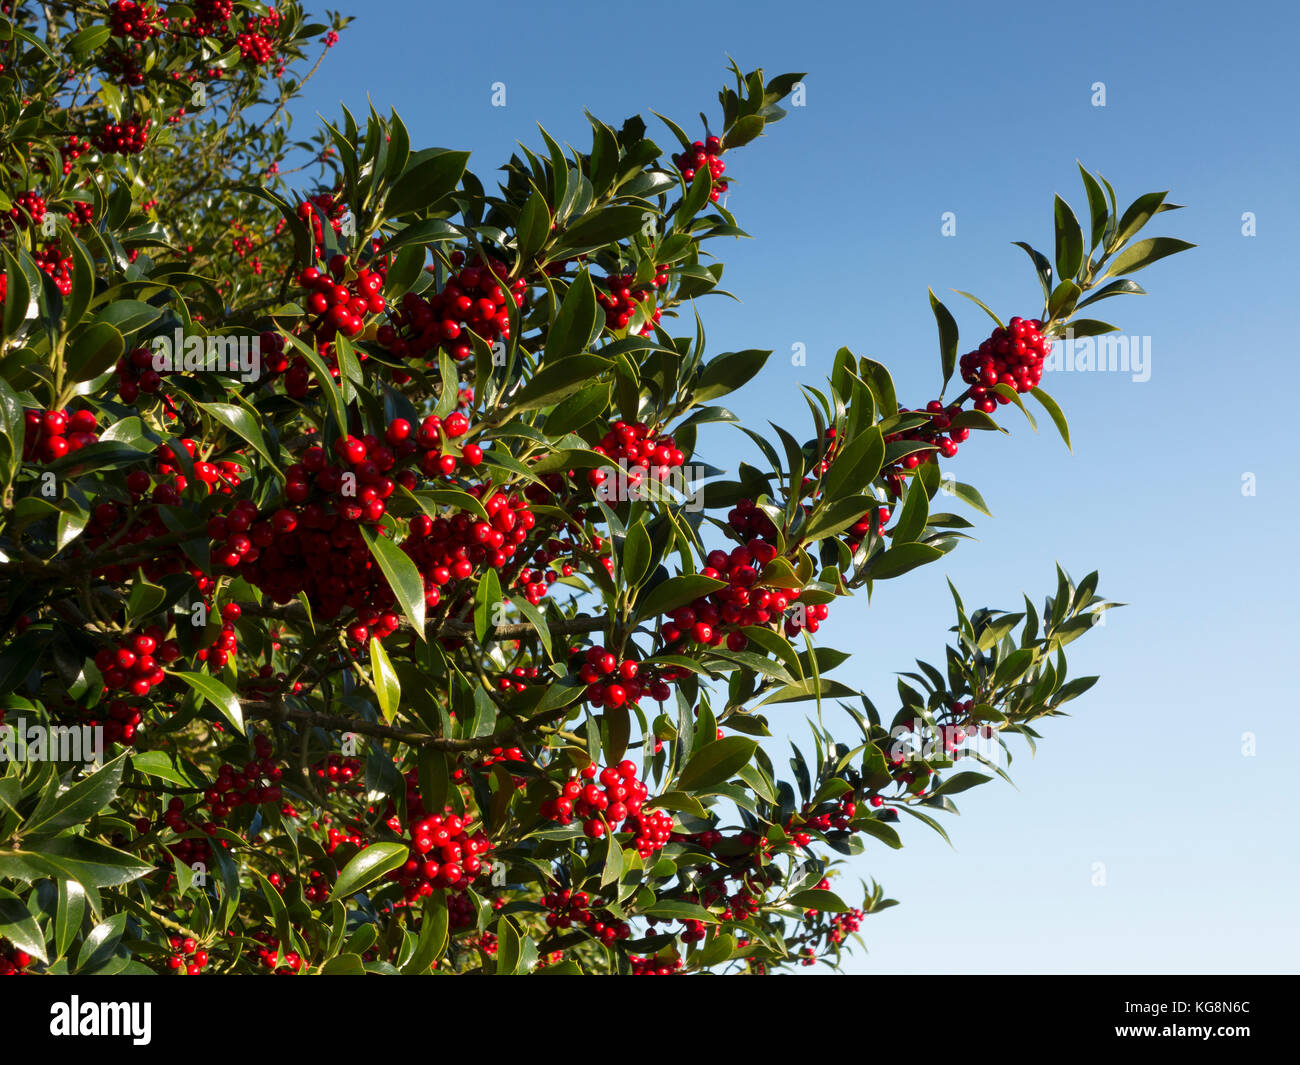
{"x": 981, "y": 110}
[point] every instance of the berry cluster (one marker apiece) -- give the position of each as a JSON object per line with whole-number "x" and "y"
{"x": 136, "y": 374}
{"x": 255, "y": 48}
{"x": 747, "y": 520}
{"x": 621, "y": 301}
{"x": 938, "y": 421}
{"x": 1011, "y": 356}
{"x": 13, "y": 961}
{"x": 123, "y": 138}
{"x": 342, "y": 307}
{"x": 613, "y": 683}
{"x": 567, "y": 908}
{"x": 473, "y": 298}
{"x": 187, "y": 959}
{"x": 453, "y": 549}
{"x": 51, "y": 434}
{"x": 617, "y": 795}
{"x": 654, "y": 829}
{"x": 428, "y": 443}
{"x": 269, "y": 955}
{"x": 705, "y": 153}
{"x": 861, "y": 529}
{"x": 720, "y": 614}
{"x": 636, "y": 448}
{"x": 334, "y": 211}
{"x": 28, "y": 209}
{"x": 336, "y": 771}
{"x": 126, "y": 18}
{"x": 55, "y": 265}
{"x": 74, "y": 149}
{"x": 657, "y": 965}
{"x": 448, "y": 837}
{"x": 133, "y": 666}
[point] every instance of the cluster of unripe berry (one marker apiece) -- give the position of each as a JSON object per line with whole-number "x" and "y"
{"x": 187, "y": 959}
{"x": 342, "y": 307}
{"x": 474, "y": 298}
{"x": 1012, "y": 356}
{"x": 636, "y": 448}
{"x": 705, "y": 153}
{"x": 567, "y": 908}
{"x": 613, "y": 795}
{"x": 620, "y": 302}
{"x": 51, "y": 434}
{"x": 123, "y": 138}
{"x": 135, "y": 664}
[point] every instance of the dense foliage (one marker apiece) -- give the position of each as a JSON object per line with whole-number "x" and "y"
{"x": 356, "y": 508}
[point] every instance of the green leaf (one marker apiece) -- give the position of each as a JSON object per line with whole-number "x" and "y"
{"x": 1098, "y": 209}
{"x": 674, "y": 592}
{"x": 556, "y": 380}
{"x": 857, "y": 465}
{"x": 1069, "y": 241}
{"x": 344, "y": 965}
{"x": 19, "y": 927}
{"x": 101, "y": 944}
{"x": 601, "y": 227}
{"x": 578, "y": 410}
{"x": 899, "y": 560}
{"x": 366, "y": 867}
{"x": 680, "y": 910}
{"x": 387, "y": 687}
{"x": 402, "y": 574}
{"x": 959, "y": 782}
{"x": 1144, "y": 253}
{"x": 96, "y": 349}
{"x": 578, "y": 320}
{"x": 486, "y": 603}
{"x": 217, "y": 694}
{"x": 429, "y": 177}
{"x": 59, "y": 810}
{"x": 1137, "y": 215}
{"x": 637, "y": 554}
{"x": 1054, "y": 412}
{"x": 715, "y": 763}
{"x": 947, "y": 337}
{"x": 728, "y": 372}
{"x": 433, "y": 935}
{"x": 819, "y": 899}
{"x": 128, "y": 315}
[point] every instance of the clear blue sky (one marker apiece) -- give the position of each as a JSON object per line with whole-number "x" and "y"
{"x": 914, "y": 110}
